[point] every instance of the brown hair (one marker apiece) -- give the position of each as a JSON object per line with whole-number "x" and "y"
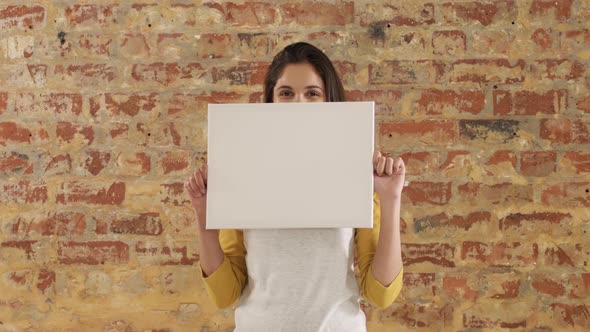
{"x": 302, "y": 52}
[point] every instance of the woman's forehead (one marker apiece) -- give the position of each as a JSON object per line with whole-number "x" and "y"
{"x": 299, "y": 75}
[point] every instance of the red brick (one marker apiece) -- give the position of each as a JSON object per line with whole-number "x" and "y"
{"x": 153, "y": 253}
{"x": 419, "y": 285}
{"x": 254, "y": 14}
{"x": 428, "y": 193}
{"x": 499, "y": 285}
{"x": 572, "y": 194}
{"x": 579, "y": 161}
{"x": 542, "y": 38}
{"x": 492, "y": 42}
{"x": 317, "y": 13}
{"x": 92, "y": 253}
{"x": 161, "y": 134}
{"x": 523, "y": 224}
{"x": 23, "y": 192}
{"x": 575, "y": 40}
{"x": 245, "y": 73}
{"x": 565, "y": 131}
{"x": 347, "y": 71}
{"x": 484, "y": 13}
{"x": 138, "y": 163}
{"x": 96, "y": 161}
{"x": 405, "y": 72}
{"x": 59, "y": 165}
{"x": 174, "y": 194}
{"x": 119, "y": 129}
{"x": 25, "y": 245}
{"x": 583, "y": 104}
{"x": 130, "y": 104}
{"x": 192, "y": 103}
{"x": 500, "y": 254}
{"x": 214, "y": 46}
{"x": 571, "y": 315}
{"x": 414, "y": 315}
{"x": 560, "y": 9}
{"x": 479, "y": 194}
{"x": 48, "y": 105}
{"x": 487, "y": 71}
{"x": 496, "y": 163}
{"x": 45, "y": 281}
{"x": 538, "y": 163}
{"x": 560, "y": 69}
{"x": 420, "y": 162}
{"x": 442, "y": 222}
{"x": 24, "y": 75}
{"x": 67, "y": 131}
{"x": 168, "y": 74}
{"x": 55, "y": 223}
{"x": 529, "y": 102}
{"x": 134, "y": 46}
{"x": 86, "y": 74}
{"x": 418, "y": 14}
{"x": 175, "y": 161}
{"x": 15, "y": 163}
{"x": 148, "y": 223}
{"x": 449, "y": 42}
{"x": 387, "y": 102}
{"x": 441, "y": 254}
{"x": 458, "y": 288}
{"x": 3, "y": 102}
{"x": 90, "y": 15}
{"x": 445, "y": 102}
{"x": 489, "y": 315}
{"x": 12, "y": 132}
{"x": 73, "y": 191}
{"x": 97, "y": 44}
{"x": 580, "y": 285}
{"x": 23, "y": 17}
{"x": 547, "y": 285}
{"x": 19, "y": 278}
{"x": 428, "y": 132}
{"x": 564, "y": 255}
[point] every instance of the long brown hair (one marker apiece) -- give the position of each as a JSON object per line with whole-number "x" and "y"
{"x": 302, "y": 52}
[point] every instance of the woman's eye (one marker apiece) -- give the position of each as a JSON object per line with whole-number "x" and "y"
{"x": 313, "y": 94}
{"x": 284, "y": 93}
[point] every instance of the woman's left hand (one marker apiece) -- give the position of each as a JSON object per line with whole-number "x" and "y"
{"x": 388, "y": 176}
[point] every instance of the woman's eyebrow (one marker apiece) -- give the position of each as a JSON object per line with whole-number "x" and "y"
{"x": 313, "y": 86}
{"x": 284, "y": 86}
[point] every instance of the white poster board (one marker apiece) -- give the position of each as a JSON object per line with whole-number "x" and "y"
{"x": 290, "y": 165}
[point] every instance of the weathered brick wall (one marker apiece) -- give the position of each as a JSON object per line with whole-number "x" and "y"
{"x": 103, "y": 115}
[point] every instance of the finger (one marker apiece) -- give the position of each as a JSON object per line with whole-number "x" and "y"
{"x": 201, "y": 183}
{"x": 189, "y": 189}
{"x": 205, "y": 172}
{"x": 389, "y": 166}
{"x": 376, "y": 156}
{"x": 399, "y": 165}
{"x": 381, "y": 166}
{"x": 193, "y": 183}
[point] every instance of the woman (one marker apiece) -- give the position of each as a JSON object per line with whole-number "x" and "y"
{"x": 303, "y": 279}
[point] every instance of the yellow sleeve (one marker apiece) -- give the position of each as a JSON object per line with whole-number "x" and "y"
{"x": 366, "y": 240}
{"x": 225, "y": 284}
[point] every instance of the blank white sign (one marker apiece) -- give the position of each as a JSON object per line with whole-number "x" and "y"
{"x": 290, "y": 165}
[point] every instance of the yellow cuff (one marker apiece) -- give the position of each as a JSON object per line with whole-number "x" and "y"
{"x": 380, "y": 295}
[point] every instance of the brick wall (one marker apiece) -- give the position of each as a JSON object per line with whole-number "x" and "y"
{"x": 103, "y": 115}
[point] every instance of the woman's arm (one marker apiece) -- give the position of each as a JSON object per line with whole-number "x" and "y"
{"x": 387, "y": 262}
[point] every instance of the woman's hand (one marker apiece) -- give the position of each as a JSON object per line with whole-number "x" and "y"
{"x": 196, "y": 186}
{"x": 388, "y": 176}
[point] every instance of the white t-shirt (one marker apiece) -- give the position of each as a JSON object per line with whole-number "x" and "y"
{"x": 300, "y": 280}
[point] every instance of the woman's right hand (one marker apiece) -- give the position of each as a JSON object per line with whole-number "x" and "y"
{"x": 196, "y": 186}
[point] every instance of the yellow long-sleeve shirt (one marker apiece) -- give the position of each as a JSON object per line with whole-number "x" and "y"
{"x": 225, "y": 284}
